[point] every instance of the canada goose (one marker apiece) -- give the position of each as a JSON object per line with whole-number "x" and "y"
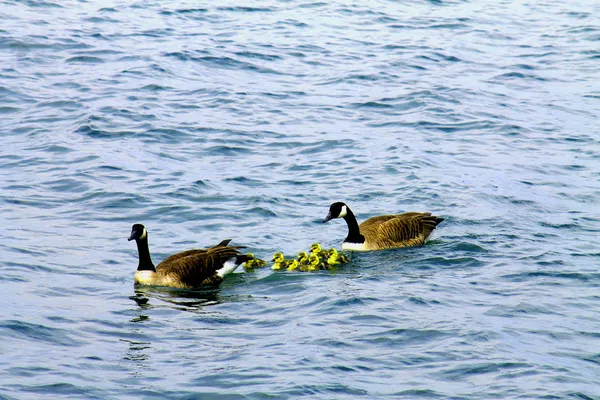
{"x": 188, "y": 269}
{"x": 385, "y": 231}
{"x": 315, "y": 248}
{"x": 335, "y": 258}
{"x": 254, "y": 262}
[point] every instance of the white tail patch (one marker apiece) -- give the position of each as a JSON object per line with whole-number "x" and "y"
{"x": 228, "y": 267}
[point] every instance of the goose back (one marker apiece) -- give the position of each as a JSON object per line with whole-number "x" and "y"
{"x": 198, "y": 267}
{"x": 401, "y": 230}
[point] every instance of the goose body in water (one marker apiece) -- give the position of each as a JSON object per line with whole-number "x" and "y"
{"x": 385, "y": 231}
{"x": 188, "y": 269}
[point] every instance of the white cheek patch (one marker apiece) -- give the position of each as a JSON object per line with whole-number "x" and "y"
{"x": 144, "y": 234}
{"x": 343, "y": 212}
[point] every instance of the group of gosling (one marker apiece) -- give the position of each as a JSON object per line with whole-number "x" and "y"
{"x": 316, "y": 260}
{"x": 207, "y": 267}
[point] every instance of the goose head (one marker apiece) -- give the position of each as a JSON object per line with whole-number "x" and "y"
{"x": 138, "y": 232}
{"x": 336, "y": 210}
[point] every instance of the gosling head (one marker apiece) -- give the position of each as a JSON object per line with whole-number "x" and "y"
{"x": 336, "y": 210}
{"x": 138, "y": 232}
{"x": 302, "y": 256}
{"x": 250, "y": 256}
{"x": 314, "y": 259}
{"x": 315, "y": 248}
{"x": 332, "y": 252}
{"x": 278, "y": 257}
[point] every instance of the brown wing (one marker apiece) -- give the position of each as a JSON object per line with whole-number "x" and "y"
{"x": 186, "y": 253}
{"x": 177, "y": 256}
{"x": 195, "y": 268}
{"x": 403, "y": 230}
{"x": 375, "y": 221}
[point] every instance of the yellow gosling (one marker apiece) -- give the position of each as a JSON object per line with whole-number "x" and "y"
{"x": 316, "y": 249}
{"x": 279, "y": 261}
{"x": 293, "y": 265}
{"x": 254, "y": 262}
{"x": 315, "y": 263}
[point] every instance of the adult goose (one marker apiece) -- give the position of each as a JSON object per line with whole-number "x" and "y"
{"x": 385, "y": 231}
{"x": 188, "y": 269}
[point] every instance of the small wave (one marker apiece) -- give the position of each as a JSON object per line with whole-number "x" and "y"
{"x": 42, "y": 4}
{"x": 9, "y": 110}
{"x": 85, "y": 60}
{"x": 404, "y": 337}
{"x": 465, "y": 371}
{"x": 525, "y": 276}
{"x": 20, "y": 329}
{"x": 246, "y": 9}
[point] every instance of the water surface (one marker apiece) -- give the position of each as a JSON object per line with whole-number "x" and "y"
{"x": 208, "y": 121}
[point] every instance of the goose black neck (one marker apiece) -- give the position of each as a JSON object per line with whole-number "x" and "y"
{"x": 144, "y": 254}
{"x": 354, "y": 235}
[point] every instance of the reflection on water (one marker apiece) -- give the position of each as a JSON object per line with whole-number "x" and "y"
{"x": 184, "y": 300}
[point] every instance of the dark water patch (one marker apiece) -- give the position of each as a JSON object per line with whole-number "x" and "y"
{"x": 259, "y": 211}
{"x": 85, "y": 60}
{"x": 526, "y": 276}
{"x": 583, "y": 396}
{"x": 518, "y": 75}
{"x": 42, "y": 4}
{"x": 61, "y": 389}
{"x": 185, "y": 11}
{"x": 24, "y": 330}
{"x": 100, "y": 20}
{"x": 373, "y": 104}
{"x": 261, "y": 56}
{"x": 97, "y": 133}
{"x": 227, "y": 150}
{"x": 246, "y": 9}
{"x": 419, "y": 394}
{"x": 464, "y": 372}
{"x": 9, "y": 110}
{"x": 469, "y": 247}
{"x": 521, "y": 310}
{"x": 222, "y": 62}
{"x": 11, "y": 265}
{"x": 61, "y": 104}
{"x": 154, "y": 88}
{"x": 450, "y": 262}
{"x": 368, "y": 318}
{"x": 403, "y": 337}
{"x": 67, "y": 186}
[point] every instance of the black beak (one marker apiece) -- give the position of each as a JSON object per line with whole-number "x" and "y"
{"x": 327, "y": 218}
{"x": 132, "y": 236}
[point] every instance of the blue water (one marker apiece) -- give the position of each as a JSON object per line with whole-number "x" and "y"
{"x": 214, "y": 120}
